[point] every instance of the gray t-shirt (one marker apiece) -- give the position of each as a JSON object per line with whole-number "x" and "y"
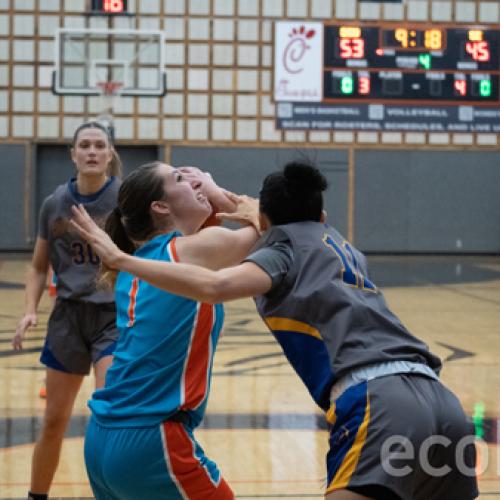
{"x": 75, "y": 264}
{"x": 275, "y": 260}
{"x": 324, "y": 310}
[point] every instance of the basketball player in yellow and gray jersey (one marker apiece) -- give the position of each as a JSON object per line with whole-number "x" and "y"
{"x": 397, "y": 433}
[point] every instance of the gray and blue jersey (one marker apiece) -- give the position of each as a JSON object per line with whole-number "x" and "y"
{"x": 73, "y": 261}
{"x": 324, "y": 310}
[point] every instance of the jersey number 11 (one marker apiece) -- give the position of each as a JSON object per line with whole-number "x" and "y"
{"x": 351, "y": 274}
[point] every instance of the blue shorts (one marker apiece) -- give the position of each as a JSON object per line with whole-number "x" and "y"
{"x": 160, "y": 462}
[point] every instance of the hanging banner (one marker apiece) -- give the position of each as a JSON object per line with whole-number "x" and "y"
{"x": 383, "y": 117}
{"x": 298, "y": 66}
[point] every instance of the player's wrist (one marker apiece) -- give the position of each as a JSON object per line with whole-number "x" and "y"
{"x": 30, "y": 310}
{"x": 119, "y": 261}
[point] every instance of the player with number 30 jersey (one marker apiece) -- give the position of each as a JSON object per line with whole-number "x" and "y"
{"x": 82, "y": 310}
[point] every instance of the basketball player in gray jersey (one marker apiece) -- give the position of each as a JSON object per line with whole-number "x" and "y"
{"x": 396, "y": 432}
{"x": 75, "y": 265}
{"x": 81, "y": 330}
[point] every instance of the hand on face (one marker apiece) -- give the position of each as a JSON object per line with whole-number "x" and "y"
{"x": 100, "y": 241}
{"x": 205, "y": 183}
{"x": 200, "y": 180}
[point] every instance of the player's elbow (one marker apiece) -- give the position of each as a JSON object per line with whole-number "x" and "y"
{"x": 38, "y": 271}
{"x": 215, "y": 291}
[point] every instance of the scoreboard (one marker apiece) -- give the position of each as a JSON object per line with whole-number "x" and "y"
{"x": 411, "y": 64}
{"x": 387, "y": 76}
{"x": 109, "y": 7}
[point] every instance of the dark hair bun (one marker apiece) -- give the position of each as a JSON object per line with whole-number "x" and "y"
{"x": 304, "y": 176}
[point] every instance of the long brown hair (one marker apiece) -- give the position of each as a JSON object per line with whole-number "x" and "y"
{"x": 131, "y": 220}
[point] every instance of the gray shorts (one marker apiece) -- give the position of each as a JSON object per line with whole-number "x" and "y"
{"x": 402, "y": 437}
{"x": 78, "y": 335}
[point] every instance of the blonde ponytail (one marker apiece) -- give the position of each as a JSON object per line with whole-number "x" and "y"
{"x": 115, "y": 165}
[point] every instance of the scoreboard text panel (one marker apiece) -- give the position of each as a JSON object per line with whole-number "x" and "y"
{"x": 387, "y": 63}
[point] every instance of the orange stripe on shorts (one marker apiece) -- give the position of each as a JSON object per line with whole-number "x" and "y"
{"x": 191, "y": 477}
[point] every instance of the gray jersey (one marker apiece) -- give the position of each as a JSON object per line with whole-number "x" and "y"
{"x": 74, "y": 263}
{"x": 327, "y": 314}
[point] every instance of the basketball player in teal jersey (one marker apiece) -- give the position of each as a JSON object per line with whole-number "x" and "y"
{"x": 377, "y": 384}
{"x": 139, "y": 442}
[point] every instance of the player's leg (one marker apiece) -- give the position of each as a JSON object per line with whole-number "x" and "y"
{"x": 102, "y": 336}
{"x": 52, "y": 284}
{"x": 67, "y": 360}
{"x": 62, "y": 389}
{"x": 100, "y": 369}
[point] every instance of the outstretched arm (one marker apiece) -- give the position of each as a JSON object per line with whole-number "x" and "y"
{"x": 198, "y": 283}
{"x": 213, "y": 247}
{"x": 216, "y": 247}
{"x": 189, "y": 280}
{"x": 35, "y": 285}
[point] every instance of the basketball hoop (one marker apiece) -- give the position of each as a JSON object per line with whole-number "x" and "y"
{"x": 109, "y": 88}
{"x": 109, "y": 91}
{"x": 92, "y": 62}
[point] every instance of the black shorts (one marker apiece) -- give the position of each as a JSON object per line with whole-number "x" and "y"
{"x": 78, "y": 335}
{"x": 401, "y": 437}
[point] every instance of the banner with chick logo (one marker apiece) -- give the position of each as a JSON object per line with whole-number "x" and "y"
{"x": 298, "y": 61}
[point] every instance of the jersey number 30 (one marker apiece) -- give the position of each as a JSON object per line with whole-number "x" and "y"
{"x": 351, "y": 274}
{"x": 82, "y": 254}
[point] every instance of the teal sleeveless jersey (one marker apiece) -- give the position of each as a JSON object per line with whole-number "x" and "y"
{"x": 163, "y": 359}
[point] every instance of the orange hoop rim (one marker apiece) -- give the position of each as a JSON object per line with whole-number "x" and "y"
{"x": 109, "y": 87}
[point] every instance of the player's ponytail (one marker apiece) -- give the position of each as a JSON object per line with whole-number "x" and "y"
{"x": 114, "y": 227}
{"x": 131, "y": 221}
{"x": 140, "y": 188}
{"x": 115, "y": 165}
{"x": 116, "y": 230}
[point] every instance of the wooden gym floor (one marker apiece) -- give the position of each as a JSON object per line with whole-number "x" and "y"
{"x": 261, "y": 426}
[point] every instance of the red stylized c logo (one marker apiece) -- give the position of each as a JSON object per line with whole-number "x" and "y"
{"x": 293, "y": 54}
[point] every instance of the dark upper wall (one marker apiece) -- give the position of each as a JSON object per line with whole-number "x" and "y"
{"x": 13, "y": 170}
{"x": 427, "y": 201}
{"x": 404, "y": 201}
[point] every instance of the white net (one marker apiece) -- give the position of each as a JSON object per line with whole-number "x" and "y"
{"x": 110, "y": 91}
